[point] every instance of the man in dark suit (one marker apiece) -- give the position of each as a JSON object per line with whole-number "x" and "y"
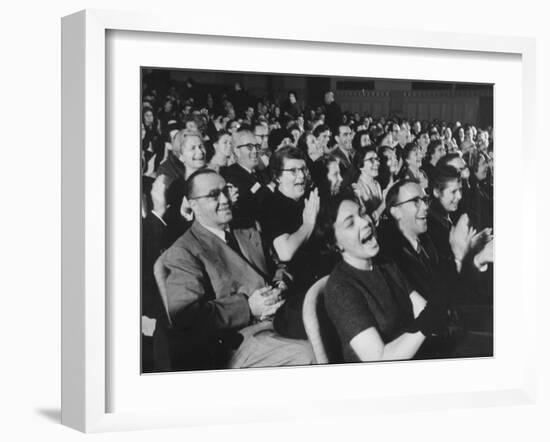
{"x": 247, "y": 178}
{"x": 344, "y": 150}
{"x": 332, "y": 111}
{"x": 220, "y": 287}
{"x": 154, "y": 319}
{"x": 405, "y": 239}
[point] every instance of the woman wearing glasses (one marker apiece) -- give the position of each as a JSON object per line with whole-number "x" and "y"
{"x": 376, "y": 313}
{"x": 288, "y": 221}
{"x": 367, "y": 188}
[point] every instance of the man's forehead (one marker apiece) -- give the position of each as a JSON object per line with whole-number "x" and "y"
{"x": 260, "y": 129}
{"x": 192, "y": 140}
{"x": 454, "y": 185}
{"x": 410, "y": 190}
{"x": 344, "y": 130}
{"x": 209, "y": 181}
{"x": 243, "y": 138}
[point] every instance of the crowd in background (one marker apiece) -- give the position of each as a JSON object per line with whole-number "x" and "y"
{"x": 291, "y": 171}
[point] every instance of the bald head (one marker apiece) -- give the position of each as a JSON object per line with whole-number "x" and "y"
{"x": 246, "y": 148}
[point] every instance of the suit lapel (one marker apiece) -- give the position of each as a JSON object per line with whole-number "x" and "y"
{"x": 251, "y": 247}
{"x": 249, "y": 244}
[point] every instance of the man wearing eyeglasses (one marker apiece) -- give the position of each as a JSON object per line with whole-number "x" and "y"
{"x": 220, "y": 289}
{"x": 247, "y": 178}
{"x": 405, "y": 239}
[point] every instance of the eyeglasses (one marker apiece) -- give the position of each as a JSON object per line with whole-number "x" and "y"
{"x": 249, "y": 146}
{"x": 417, "y": 200}
{"x": 294, "y": 171}
{"x": 215, "y": 194}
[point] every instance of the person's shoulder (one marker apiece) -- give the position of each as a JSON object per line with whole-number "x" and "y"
{"x": 276, "y": 201}
{"x": 231, "y": 170}
{"x": 338, "y": 279}
{"x": 435, "y": 217}
{"x": 186, "y": 244}
{"x": 235, "y": 174}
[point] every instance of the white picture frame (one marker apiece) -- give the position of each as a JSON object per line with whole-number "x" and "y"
{"x": 86, "y": 206}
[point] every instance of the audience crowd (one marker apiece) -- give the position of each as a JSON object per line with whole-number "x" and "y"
{"x": 248, "y": 202}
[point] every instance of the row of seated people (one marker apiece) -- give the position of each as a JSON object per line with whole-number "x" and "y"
{"x": 253, "y": 238}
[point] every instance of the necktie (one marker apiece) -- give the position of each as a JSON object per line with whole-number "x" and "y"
{"x": 232, "y": 242}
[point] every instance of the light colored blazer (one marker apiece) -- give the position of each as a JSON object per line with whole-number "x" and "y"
{"x": 209, "y": 283}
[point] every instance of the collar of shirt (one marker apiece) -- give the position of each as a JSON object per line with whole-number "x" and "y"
{"x": 218, "y": 232}
{"x": 159, "y": 217}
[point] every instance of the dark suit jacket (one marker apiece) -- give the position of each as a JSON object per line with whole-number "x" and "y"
{"x": 431, "y": 275}
{"x": 439, "y": 228}
{"x": 345, "y": 162}
{"x": 247, "y": 209}
{"x": 153, "y": 244}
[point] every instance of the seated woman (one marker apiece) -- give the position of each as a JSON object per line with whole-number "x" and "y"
{"x": 288, "y": 221}
{"x": 367, "y": 188}
{"x": 373, "y": 308}
{"x": 325, "y": 173}
{"x": 389, "y": 166}
{"x": 435, "y": 151}
{"x": 481, "y": 191}
{"x": 311, "y": 150}
{"x": 412, "y": 163}
{"x": 189, "y": 154}
{"x": 222, "y": 154}
{"x": 361, "y": 140}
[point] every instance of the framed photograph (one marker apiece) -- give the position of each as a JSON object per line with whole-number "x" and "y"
{"x": 117, "y": 68}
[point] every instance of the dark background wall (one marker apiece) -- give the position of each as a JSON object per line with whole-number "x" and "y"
{"x": 465, "y": 102}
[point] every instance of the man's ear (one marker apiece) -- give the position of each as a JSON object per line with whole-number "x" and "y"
{"x": 436, "y": 192}
{"x": 396, "y": 213}
{"x": 191, "y": 203}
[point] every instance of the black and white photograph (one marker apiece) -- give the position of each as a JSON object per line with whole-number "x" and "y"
{"x": 293, "y": 220}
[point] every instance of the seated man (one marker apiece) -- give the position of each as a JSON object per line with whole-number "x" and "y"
{"x": 247, "y": 178}
{"x": 220, "y": 289}
{"x": 405, "y": 238}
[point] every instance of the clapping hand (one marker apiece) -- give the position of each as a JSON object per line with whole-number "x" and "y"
{"x": 460, "y": 236}
{"x": 233, "y": 193}
{"x": 158, "y": 195}
{"x": 485, "y": 256}
{"x": 265, "y": 302}
{"x": 479, "y": 240}
{"x": 311, "y": 209}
